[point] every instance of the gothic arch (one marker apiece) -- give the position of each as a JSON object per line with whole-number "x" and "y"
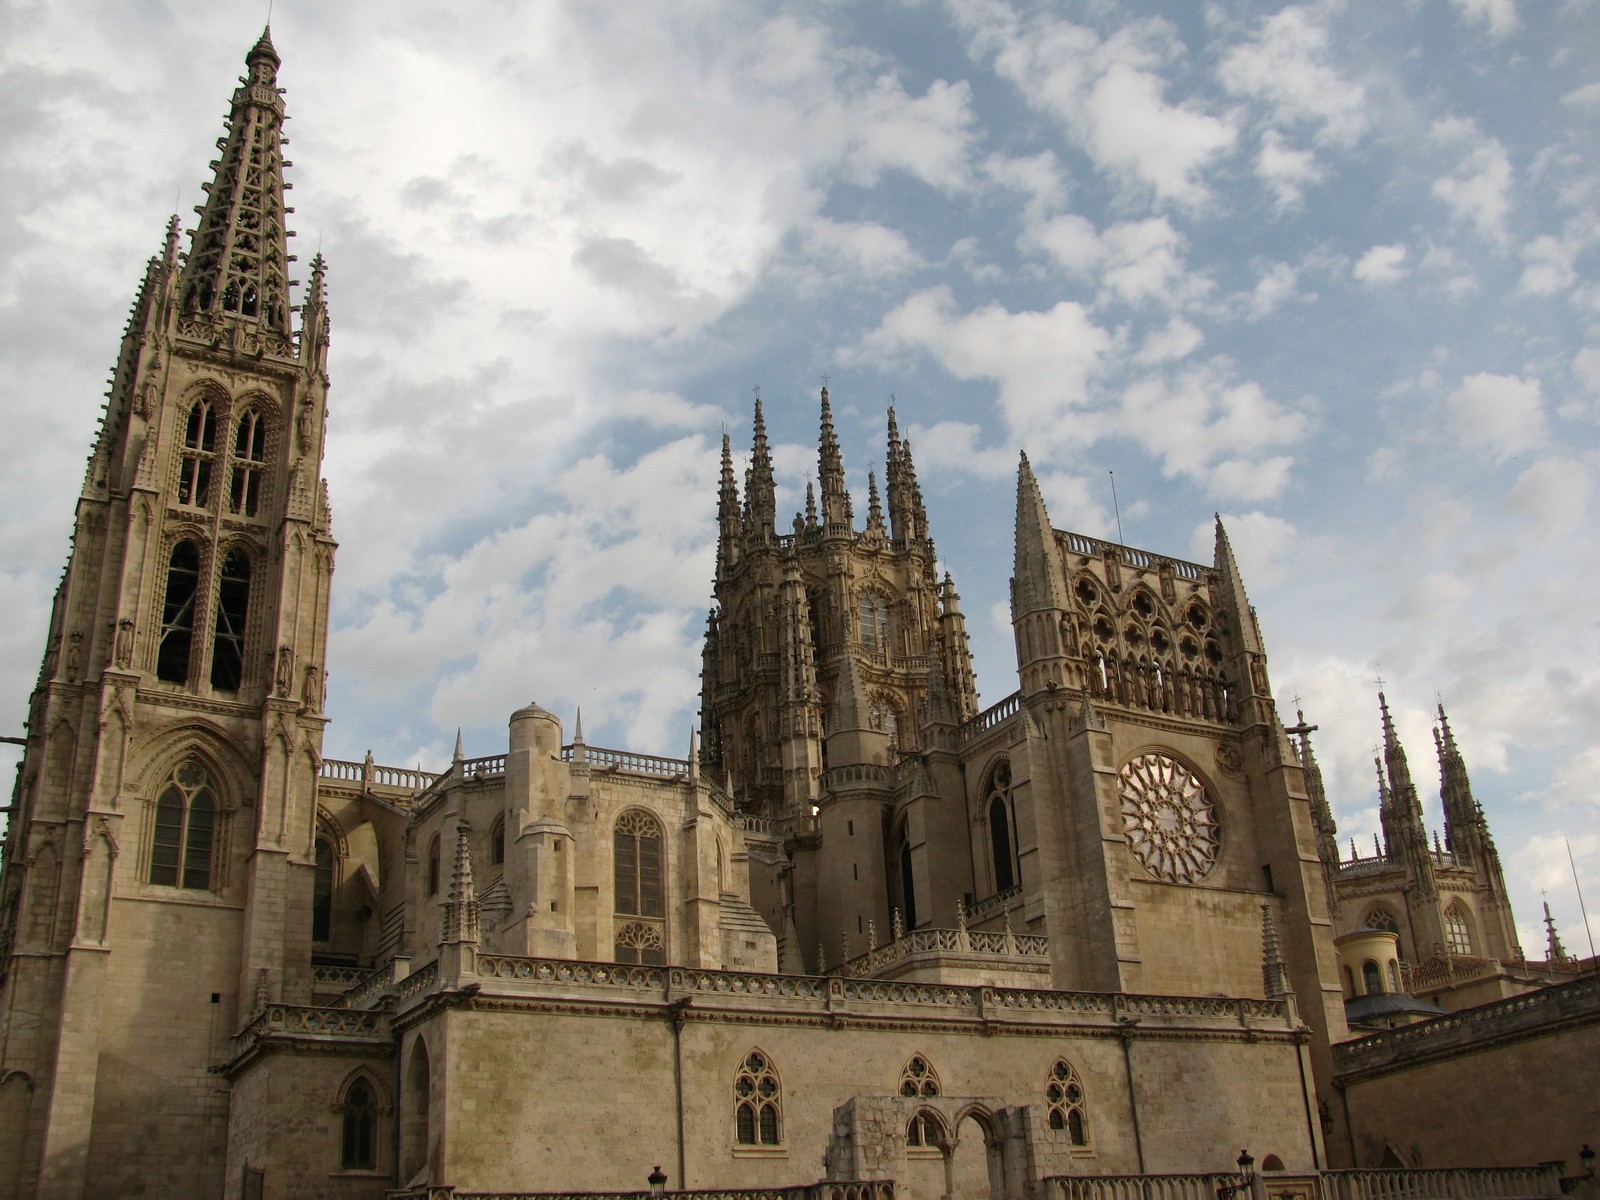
{"x": 196, "y": 737}
{"x": 363, "y": 1106}
{"x": 416, "y": 1096}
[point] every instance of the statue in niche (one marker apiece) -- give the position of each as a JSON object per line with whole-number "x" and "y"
{"x": 285, "y": 676}
{"x": 124, "y": 650}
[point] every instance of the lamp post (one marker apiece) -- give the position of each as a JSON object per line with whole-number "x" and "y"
{"x": 1586, "y": 1157}
{"x": 1247, "y": 1176}
{"x": 658, "y": 1181}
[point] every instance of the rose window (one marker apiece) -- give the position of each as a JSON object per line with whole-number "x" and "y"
{"x": 1169, "y": 819}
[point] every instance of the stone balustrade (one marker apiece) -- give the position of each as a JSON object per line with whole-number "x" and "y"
{"x": 992, "y": 717}
{"x": 877, "y": 1189}
{"x": 945, "y": 941}
{"x": 1471, "y": 1027}
{"x": 488, "y": 767}
{"x": 989, "y": 905}
{"x": 1467, "y": 1183}
{"x": 328, "y": 975}
{"x": 1138, "y": 1187}
{"x": 368, "y": 988}
{"x": 830, "y": 994}
{"x": 601, "y": 759}
{"x": 315, "y": 1022}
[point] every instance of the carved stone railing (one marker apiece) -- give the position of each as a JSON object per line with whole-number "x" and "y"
{"x": 944, "y": 941}
{"x": 328, "y": 975}
{"x": 568, "y": 978}
{"x": 370, "y": 774}
{"x": 1577, "y": 1000}
{"x": 368, "y": 989}
{"x": 1444, "y": 971}
{"x": 991, "y": 717}
{"x": 1478, "y": 1183}
{"x": 416, "y": 983}
{"x": 989, "y": 905}
{"x": 308, "y": 1021}
{"x": 626, "y": 760}
{"x": 870, "y": 773}
{"x": 877, "y": 1189}
{"x": 1139, "y": 1187}
{"x": 1139, "y": 560}
{"x": 488, "y": 767}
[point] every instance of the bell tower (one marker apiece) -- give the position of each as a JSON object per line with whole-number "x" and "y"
{"x": 158, "y": 865}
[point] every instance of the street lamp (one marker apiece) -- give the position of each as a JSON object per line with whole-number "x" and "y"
{"x": 1247, "y": 1175}
{"x": 658, "y": 1181}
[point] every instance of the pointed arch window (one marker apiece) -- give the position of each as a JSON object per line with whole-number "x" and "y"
{"x": 433, "y": 866}
{"x": 1372, "y": 978}
{"x": 639, "y": 888}
{"x": 322, "y": 893}
{"x": 1000, "y": 838}
{"x": 924, "y": 1130}
{"x": 177, "y": 613}
{"x": 249, "y": 463}
{"x": 358, "y": 1149}
{"x": 908, "y": 885}
{"x": 757, "y": 1102}
{"x": 199, "y": 455}
{"x": 497, "y": 842}
{"x": 1457, "y": 930}
{"x": 918, "y": 1079}
{"x": 233, "y": 606}
{"x": 183, "y": 845}
{"x": 1064, "y": 1101}
{"x": 874, "y": 621}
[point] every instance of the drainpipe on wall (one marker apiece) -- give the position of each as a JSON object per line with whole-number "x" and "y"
{"x": 1126, "y": 1032}
{"x": 677, "y": 1009}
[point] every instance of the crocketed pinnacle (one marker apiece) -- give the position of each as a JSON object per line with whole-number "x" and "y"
{"x": 238, "y": 266}
{"x": 1037, "y": 577}
{"x": 907, "y": 520}
{"x": 760, "y": 491}
{"x": 874, "y": 505}
{"x": 728, "y": 525}
{"x": 1455, "y": 789}
{"x": 836, "y": 514}
{"x": 461, "y": 909}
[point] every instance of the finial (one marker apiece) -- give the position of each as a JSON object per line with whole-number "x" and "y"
{"x": 459, "y": 755}
{"x": 577, "y": 726}
{"x": 961, "y": 915}
{"x": 872, "y": 935}
{"x": 899, "y": 925}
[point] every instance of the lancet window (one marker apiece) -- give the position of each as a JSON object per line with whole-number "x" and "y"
{"x": 1457, "y": 930}
{"x": 1064, "y": 1101}
{"x": 433, "y": 866}
{"x": 199, "y": 455}
{"x": 183, "y": 846}
{"x": 924, "y": 1129}
{"x": 359, "y": 1127}
{"x": 249, "y": 463}
{"x": 757, "y": 1102}
{"x": 233, "y": 607}
{"x": 999, "y": 811}
{"x": 177, "y": 613}
{"x": 497, "y": 842}
{"x": 874, "y": 615}
{"x": 322, "y": 892}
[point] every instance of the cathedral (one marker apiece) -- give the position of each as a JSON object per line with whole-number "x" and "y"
{"x": 865, "y": 940}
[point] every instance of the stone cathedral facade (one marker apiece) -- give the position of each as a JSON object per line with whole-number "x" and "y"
{"x": 864, "y": 932}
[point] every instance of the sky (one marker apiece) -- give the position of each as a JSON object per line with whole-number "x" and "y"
{"x": 1326, "y": 269}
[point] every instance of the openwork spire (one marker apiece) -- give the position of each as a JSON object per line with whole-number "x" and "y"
{"x": 760, "y": 490}
{"x": 728, "y": 526}
{"x": 836, "y": 513}
{"x": 461, "y": 909}
{"x": 238, "y": 266}
{"x": 1274, "y": 979}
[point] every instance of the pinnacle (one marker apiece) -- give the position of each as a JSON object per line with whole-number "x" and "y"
{"x": 264, "y": 48}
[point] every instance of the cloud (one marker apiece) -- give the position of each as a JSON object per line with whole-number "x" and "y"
{"x": 1223, "y": 434}
{"x": 1548, "y": 266}
{"x": 1285, "y": 66}
{"x": 1552, "y": 496}
{"x": 1478, "y": 191}
{"x": 1499, "y": 15}
{"x": 1108, "y": 93}
{"x": 1177, "y": 339}
{"x": 1276, "y": 287}
{"x": 1264, "y": 545}
{"x": 1135, "y": 262}
{"x": 1287, "y": 171}
{"x": 1041, "y": 361}
{"x": 1502, "y": 412}
{"x": 1382, "y": 264}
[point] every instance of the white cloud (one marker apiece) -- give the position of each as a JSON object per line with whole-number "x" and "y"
{"x": 1042, "y": 361}
{"x": 1552, "y": 496}
{"x": 1382, "y": 264}
{"x": 1287, "y": 171}
{"x": 1177, "y": 339}
{"x": 1548, "y": 266}
{"x": 1499, "y": 15}
{"x": 1285, "y": 66}
{"x": 859, "y": 249}
{"x": 1107, "y": 93}
{"x": 954, "y": 446}
{"x": 1502, "y": 412}
{"x": 1265, "y": 546}
{"x": 1478, "y": 191}
{"x": 1224, "y": 435}
{"x": 1135, "y": 262}
{"x": 1276, "y": 287}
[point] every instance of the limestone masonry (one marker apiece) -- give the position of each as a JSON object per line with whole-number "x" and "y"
{"x": 865, "y": 941}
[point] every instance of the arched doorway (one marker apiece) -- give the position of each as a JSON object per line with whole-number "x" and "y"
{"x": 974, "y": 1169}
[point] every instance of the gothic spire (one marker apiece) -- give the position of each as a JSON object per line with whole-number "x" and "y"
{"x": 727, "y": 512}
{"x": 837, "y": 519}
{"x": 760, "y": 492}
{"x": 906, "y": 520}
{"x": 238, "y": 267}
{"x": 1455, "y": 789}
{"x": 874, "y": 505}
{"x": 1553, "y": 949}
{"x": 1403, "y": 793}
{"x": 1038, "y": 576}
{"x": 1249, "y": 660}
{"x": 1322, "y": 821}
{"x": 461, "y": 908}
